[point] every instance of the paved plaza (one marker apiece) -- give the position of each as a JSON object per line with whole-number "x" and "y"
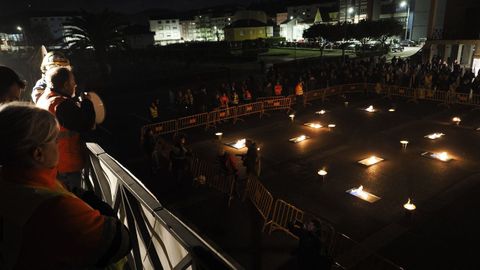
{"x": 289, "y": 171}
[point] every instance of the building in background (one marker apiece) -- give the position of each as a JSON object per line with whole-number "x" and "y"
{"x": 281, "y": 17}
{"x": 292, "y": 29}
{"x": 167, "y": 31}
{"x": 138, "y": 37}
{"x": 188, "y": 30}
{"x": 453, "y": 30}
{"x": 48, "y": 29}
{"x": 355, "y": 10}
{"x": 248, "y": 30}
{"x": 308, "y": 12}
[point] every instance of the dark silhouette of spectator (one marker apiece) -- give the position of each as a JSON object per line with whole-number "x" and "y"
{"x": 179, "y": 157}
{"x": 11, "y": 85}
{"x": 309, "y": 250}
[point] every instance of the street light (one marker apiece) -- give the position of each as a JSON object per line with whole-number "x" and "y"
{"x": 404, "y": 4}
{"x": 19, "y": 28}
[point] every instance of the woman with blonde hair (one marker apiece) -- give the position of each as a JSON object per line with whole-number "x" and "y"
{"x": 44, "y": 226}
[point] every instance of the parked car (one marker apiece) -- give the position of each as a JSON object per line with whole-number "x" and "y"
{"x": 408, "y": 43}
{"x": 396, "y": 47}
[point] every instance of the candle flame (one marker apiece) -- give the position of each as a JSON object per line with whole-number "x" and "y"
{"x": 322, "y": 172}
{"x": 409, "y": 205}
{"x": 240, "y": 143}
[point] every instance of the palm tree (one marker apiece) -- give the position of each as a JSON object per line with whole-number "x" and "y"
{"x": 98, "y": 31}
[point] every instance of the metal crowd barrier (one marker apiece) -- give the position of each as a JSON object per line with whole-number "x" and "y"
{"x": 277, "y": 104}
{"x": 261, "y": 198}
{"x": 248, "y": 109}
{"x": 283, "y": 215}
{"x": 160, "y": 240}
{"x": 192, "y": 121}
{"x": 265, "y": 104}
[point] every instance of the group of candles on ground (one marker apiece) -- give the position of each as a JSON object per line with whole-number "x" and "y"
{"x": 370, "y": 161}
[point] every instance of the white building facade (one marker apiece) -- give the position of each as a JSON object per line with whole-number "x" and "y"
{"x": 167, "y": 31}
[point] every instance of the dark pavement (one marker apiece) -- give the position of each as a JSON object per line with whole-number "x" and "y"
{"x": 442, "y": 232}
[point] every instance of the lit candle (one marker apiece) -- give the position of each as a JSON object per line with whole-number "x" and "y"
{"x": 404, "y": 143}
{"x": 219, "y": 135}
{"x": 322, "y": 173}
{"x": 292, "y": 116}
{"x": 409, "y": 205}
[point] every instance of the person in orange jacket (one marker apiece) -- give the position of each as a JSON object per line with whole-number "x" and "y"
{"x": 278, "y": 89}
{"x": 75, "y": 115}
{"x": 43, "y": 225}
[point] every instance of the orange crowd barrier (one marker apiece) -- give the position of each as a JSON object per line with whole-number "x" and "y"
{"x": 283, "y": 215}
{"x": 163, "y": 127}
{"x": 251, "y": 108}
{"x": 314, "y": 95}
{"x": 222, "y": 114}
{"x": 192, "y": 121}
{"x": 265, "y": 104}
{"x": 261, "y": 198}
{"x": 277, "y": 104}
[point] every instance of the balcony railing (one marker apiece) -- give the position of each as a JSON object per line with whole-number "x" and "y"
{"x": 160, "y": 240}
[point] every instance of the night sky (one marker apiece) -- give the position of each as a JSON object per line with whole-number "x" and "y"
{"x": 127, "y": 6}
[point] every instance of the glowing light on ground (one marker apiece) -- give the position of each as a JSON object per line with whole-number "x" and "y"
{"x": 434, "y": 136}
{"x": 219, "y": 134}
{"x": 391, "y": 110}
{"x": 442, "y": 156}
{"x": 300, "y": 138}
{"x": 409, "y": 205}
{"x": 370, "y": 109}
{"x": 372, "y": 160}
{"x": 292, "y": 116}
{"x": 239, "y": 144}
{"x": 362, "y": 194}
{"x": 456, "y": 120}
{"x": 313, "y": 125}
{"x": 404, "y": 143}
{"x": 331, "y": 125}
{"x": 321, "y": 112}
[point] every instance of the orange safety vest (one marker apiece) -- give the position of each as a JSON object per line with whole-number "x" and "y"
{"x": 278, "y": 89}
{"x": 247, "y": 95}
{"x": 70, "y": 147}
{"x": 223, "y": 100}
{"x": 299, "y": 89}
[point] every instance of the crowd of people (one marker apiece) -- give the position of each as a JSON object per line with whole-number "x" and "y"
{"x": 436, "y": 75}
{"x": 47, "y": 220}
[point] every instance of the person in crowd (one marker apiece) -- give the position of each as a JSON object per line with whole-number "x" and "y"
{"x": 278, "y": 89}
{"x": 228, "y": 168}
{"x": 299, "y": 94}
{"x": 224, "y": 100}
{"x": 235, "y": 98}
{"x": 50, "y": 60}
{"x": 251, "y": 160}
{"x": 154, "y": 111}
{"x": 247, "y": 96}
{"x": 309, "y": 250}
{"x": 44, "y": 226}
{"x": 11, "y": 85}
{"x": 76, "y": 115}
{"x": 179, "y": 156}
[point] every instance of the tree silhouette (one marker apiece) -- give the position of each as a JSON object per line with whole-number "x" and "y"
{"x": 101, "y": 32}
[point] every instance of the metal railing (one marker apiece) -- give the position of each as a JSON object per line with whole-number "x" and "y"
{"x": 160, "y": 240}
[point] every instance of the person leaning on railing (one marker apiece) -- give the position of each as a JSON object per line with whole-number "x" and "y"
{"x": 43, "y": 225}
